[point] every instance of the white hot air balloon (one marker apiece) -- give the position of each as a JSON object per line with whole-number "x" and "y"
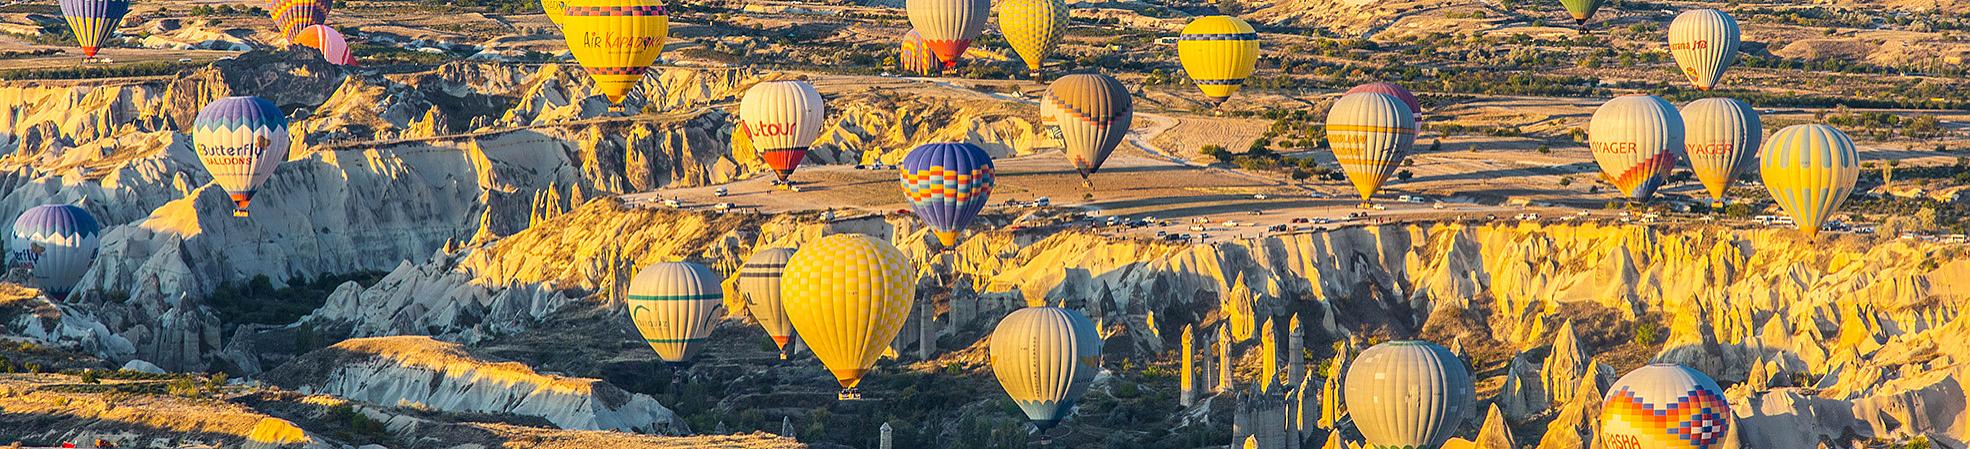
{"x": 1704, "y": 42}
{"x": 1408, "y": 394}
{"x": 1370, "y": 133}
{"x": 759, "y": 283}
{"x": 782, "y": 118}
{"x": 1045, "y": 357}
{"x": 1664, "y": 406}
{"x": 56, "y": 243}
{"x": 1720, "y": 137}
{"x": 675, "y": 305}
{"x": 1635, "y": 139}
{"x": 948, "y": 26}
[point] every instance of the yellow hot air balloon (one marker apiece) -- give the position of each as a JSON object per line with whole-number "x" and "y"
{"x": 554, "y": 10}
{"x": 759, "y": 284}
{"x": 1719, "y": 137}
{"x": 675, "y": 305}
{"x": 615, "y": 40}
{"x": 847, "y": 296}
{"x": 1033, "y": 28}
{"x": 1704, "y": 42}
{"x": 1370, "y": 133}
{"x": 1218, "y": 53}
{"x": 1810, "y": 170}
{"x": 1045, "y": 357}
{"x": 1634, "y": 139}
{"x": 1093, "y": 112}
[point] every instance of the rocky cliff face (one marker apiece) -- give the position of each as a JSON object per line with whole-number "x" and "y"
{"x": 419, "y": 372}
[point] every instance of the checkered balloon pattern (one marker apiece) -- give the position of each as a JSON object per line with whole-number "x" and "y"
{"x": 1665, "y": 406}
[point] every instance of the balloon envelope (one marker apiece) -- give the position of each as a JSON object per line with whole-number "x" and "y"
{"x": 1634, "y": 139}
{"x": 555, "y": 10}
{"x": 93, "y": 21}
{"x": 675, "y": 305}
{"x": 1581, "y": 10}
{"x": 56, "y": 243}
{"x": 759, "y": 285}
{"x": 1704, "y": 42}
{"x": 240, "y": 140}
{"x": 1408, "y": 394}
{"x": 1033, "y": 28}
{"x": 1093, "y": 113}
{"x": 1810, "y": 169}
{"x": 1045, "y": 357}
{"x": 917, "y": 58}
{"x": 1664, "y": 406}
{"x": 847, "y": 296}
{"x": 331, "y": 43}
{"x": 615, "y": 40}
{"x": 948, "y": 26}
{"x": 947, "y": 184}
{"x": 1218, "y": 53}
{"x": 782, "y": 118}
{"x": 1393, "y": 90}
{"x": 292, "y": 16}
{"x": 1370, "y": 133}
{"x": 1720, "y": 136}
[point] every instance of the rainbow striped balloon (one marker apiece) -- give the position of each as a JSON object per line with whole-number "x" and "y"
{"x": 240, "y": 140}
{"x": 947, "y": 183}
{"x": 93, "y": 21}
{"x": 675, "y": 305}
{"x": 292, "y": 16}
{"x": 56, "y": 243}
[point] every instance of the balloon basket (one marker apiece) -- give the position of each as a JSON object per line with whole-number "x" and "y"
{"x": 849, "y": 394}
{"x": 241, "y": 213}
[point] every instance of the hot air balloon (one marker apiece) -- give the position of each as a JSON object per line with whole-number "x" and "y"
{"x": 1704, "y": 42}
{"x": 917, "y": 58}
{"x": 1810, "y": 170}
{"x": 1408, "y": 394}
{"x": 782, "y": 118}
{"x": 240, "y": 140}
{"x": 1093, "y": 113}
{"x": 1664, "y": 406}
{"x": 333, "y": 47}
{"x": 759, "y": 284}
{"x": 1370, "y": 133}
{"x": 847, "y": 296}
{"x": 1720, "y": 135}
{"x": 1045, "y": 357}
{"x": 1634, "y": 139}
{"x": 615, "y": 40}
{"x": 1033, "y": 28}
{"x": 1581, "y": 10}
{"x": 948, "y": 26}
{"x": 947, "y": 183}
{"x": 56, "y": 243}
{"x": 292, "y": 16}
{"x": 93, "y": 21}
{"x": 1218, "y": 53}
{"x": 556, "y": 10}
{"x": 675, "y": 305}
{"x": 1393, "y": 90}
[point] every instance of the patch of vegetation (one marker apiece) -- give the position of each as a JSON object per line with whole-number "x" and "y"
{"x": 258, "y": 301}
{"x": 150, "y": 68}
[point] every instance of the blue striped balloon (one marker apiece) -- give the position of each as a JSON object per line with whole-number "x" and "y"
{"x": 56, "y": 243}
{"x": 240, "y": 140}
{"x": 93, "y": 21}
{"x": 947, "y": 183}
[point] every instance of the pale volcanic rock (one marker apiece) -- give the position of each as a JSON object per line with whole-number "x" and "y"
{"x": 1564, "y": 366}
{"x": 1494, "y": 433}
{"x": 443, "y": 376}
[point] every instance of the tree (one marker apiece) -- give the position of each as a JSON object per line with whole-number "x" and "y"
{"x": 1436, "y": 145}
{"x": 1888, "y": 170}
{"x": 89, "y": 377}
{"x": 1216, "y": 152}
{"x": 1404, "y": 175}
